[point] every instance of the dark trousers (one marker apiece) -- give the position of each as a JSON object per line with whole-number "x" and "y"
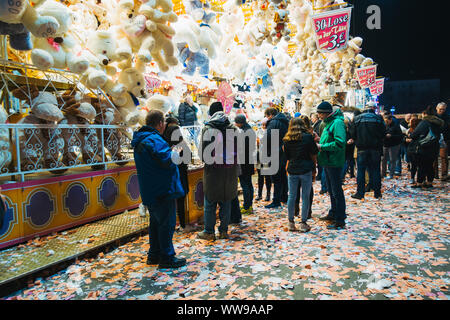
{"x": 261, "y": 181}
{"x": 181, "y": 211}
{"x": 280, "y": 183}
{"x": 369, "y": 160}
{"x": 426, "y": 170}
{"x": 334, "y": 185}
{"x": 414, "y": 161}
{"x": 162, "y": 226}
{"x": 349, "y": 166}
{"x": 247, "y": 189}
{"x": 235, "y": 216}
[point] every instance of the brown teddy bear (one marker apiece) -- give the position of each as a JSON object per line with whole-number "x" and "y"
{"x": 107, "y": 114}
{"x": 41, "y": 147}
{"x": 79, "y": 111}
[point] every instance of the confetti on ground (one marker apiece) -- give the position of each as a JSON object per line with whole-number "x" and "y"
{"x": 395, "y": 248}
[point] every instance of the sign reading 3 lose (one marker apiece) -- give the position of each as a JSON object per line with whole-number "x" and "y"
{"x": 332, "y": 29}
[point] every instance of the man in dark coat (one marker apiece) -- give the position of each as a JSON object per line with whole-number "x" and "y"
{"x": 277, "y": 122}
{"x": 368, "y": 131}
{"x": 392, "y": 142}
{"x": 247, "y": 165}
{"x": 159, "y": 185}
{"x": 220, "y": 174}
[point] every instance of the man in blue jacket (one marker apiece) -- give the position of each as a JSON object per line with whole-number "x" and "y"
{"x": 160, "y": 186}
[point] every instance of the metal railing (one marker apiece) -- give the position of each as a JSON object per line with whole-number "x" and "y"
{"x": 27, "y": 148}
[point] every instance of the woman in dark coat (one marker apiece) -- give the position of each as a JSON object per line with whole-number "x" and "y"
{"x": 427, "y": 155}
{"x": 171, "y": 127}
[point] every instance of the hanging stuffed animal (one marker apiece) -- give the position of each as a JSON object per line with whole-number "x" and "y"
{"x": 18, "y": 18}
{"x": 60, "y": 50}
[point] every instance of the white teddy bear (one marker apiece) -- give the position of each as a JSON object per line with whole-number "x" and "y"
{"x": 100, "y": 52}
{"x": 58, "y": 51}
{"x": 5, "y": 152}
{"x": 128, "y": 103}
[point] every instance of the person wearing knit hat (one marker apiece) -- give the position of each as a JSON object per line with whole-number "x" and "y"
{"x": 324, "y": 107}
{"x": 215, "y": 107}
{"x": 240, "y": 120}
{"x": 331, "y": 158}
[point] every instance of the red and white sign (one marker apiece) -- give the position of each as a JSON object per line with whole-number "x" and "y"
{"x": 332, "y": 29}
{"x": 377, "y": 88}
{"x": 366, "y": 76}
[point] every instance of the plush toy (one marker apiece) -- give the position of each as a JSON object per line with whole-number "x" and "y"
{"x": 18, "y": 14}
{"x": 113, "y": 139}
{"x": 144, "y": 32}
{"x": 39, "y": 148}
{"x": 281, "y": 20}
{"x": 85, "y": 20}
{"x": 5, "y": 152}
{"x": 58, "y": 51}
{"x": 128, "y": 103}
{"x": 19, "y": 37}
{"x": 78, "y": 110}
{"x": 160, "y": 102}
{"x": 100, "y": 52}
{"x": 186, "y": 32}
{"x": 159, "y": 13}
{"x": 193, "y": 61}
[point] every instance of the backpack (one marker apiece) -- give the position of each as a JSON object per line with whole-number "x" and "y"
{"x": 429, "y": 140}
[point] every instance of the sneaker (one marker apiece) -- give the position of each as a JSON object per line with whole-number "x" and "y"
{"x": 292, "y": 226}
{"x": 223, "y": 235}
{"x": 267, "y": 199}
{"x": 357, "y": 196}
{"x": 273, "y": 205}
{"x": 336, "y": 226}
{"x": 417, "y": 185}
{"x": 172, "y": 263}
{"x": 206, "y": 236}
{"x": 152, "y": 260}
{"x": 378, "y": 196}
{"x": 304, "y": 227}
{"x": 247, "y": 211}
{"x": 235, "y": 223}
{"x": 322, "y": 192}
{"x": 258, "y": 198}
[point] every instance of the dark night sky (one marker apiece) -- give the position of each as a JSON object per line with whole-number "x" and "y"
{"x": 410, "y": 44}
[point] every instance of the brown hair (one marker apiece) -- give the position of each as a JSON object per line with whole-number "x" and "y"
{"x": 413, "y": 123}
{"x": 154, "y": 117}
{"x": 307, "y": 123}
{"x": 295, "y": 130}
{"x": 270, "y": 112}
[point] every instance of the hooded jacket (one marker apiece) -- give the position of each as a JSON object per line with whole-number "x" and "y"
{"x": 396, "y": 137}
{"x": 158, "y": 176}
{"x": 368, "y": 130}
{"x": 281, "y": 123}
{"x": 248, "y": 168}
{"x": 219, "y": 179}
{"x": 333, "y": 141}
{"x": 436, "y": 125}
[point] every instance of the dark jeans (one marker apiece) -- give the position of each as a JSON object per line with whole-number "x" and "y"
{"x": 162, "y": 226}
{"x": 247, "y": 190}
{"x": 413, "y": 159}
{"x": 280, "y": 183}
{"x": 261, "y": 181}
{"x": 323, "y": 182}
{"x": 369, "y": 160}
{"x": 235, "y": 216}
{"x": 181, "y": 211}
{"x": 210, "y": 215}
{"x": 334, "y": 185}
{"x": 349, "y": 165}
{"x": 426, "y": 170}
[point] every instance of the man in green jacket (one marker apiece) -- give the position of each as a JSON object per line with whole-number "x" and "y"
{"x": 332, "y": 158}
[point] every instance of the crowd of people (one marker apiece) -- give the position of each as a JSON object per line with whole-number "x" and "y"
{"x": 321, "y": 147}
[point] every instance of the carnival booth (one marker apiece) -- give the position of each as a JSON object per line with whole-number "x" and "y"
{"x": 77, "y": 77}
